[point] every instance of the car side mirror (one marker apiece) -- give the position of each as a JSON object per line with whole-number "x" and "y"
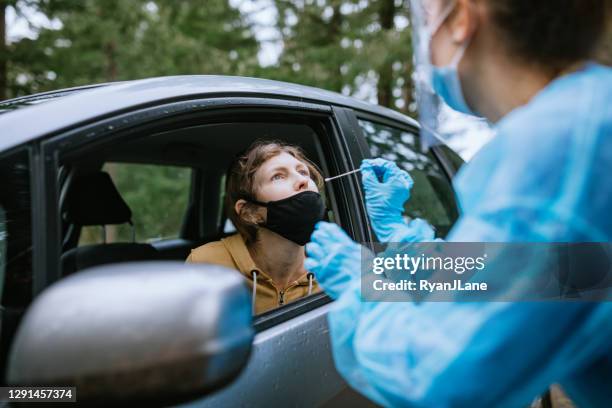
{"x": 154, "y": 332}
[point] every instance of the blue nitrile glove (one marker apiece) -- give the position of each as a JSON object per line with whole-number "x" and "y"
{"x": 385, "y": 198}
{"x": 333, "y": 257}
{"x": 417, "y": 230}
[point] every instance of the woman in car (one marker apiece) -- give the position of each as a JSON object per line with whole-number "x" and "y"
{"x": 272, "y": 197}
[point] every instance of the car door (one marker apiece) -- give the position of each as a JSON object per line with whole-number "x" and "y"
{"x": 19, "y": 209}
{"x": 291, "y": 361}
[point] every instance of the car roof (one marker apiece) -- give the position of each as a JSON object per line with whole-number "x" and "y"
{"x": 54, "y": 111}
{"x": 13, "y": 104}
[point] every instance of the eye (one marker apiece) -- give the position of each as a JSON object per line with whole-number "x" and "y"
{"x": 304, "y": 172}
{"x": 277, "y": 176}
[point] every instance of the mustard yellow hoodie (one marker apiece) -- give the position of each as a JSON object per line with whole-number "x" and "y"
{"x": 233, "y": 253}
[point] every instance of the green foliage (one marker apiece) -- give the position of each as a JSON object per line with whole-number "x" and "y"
{"x": 109, "y": 40}
{"x": 357, "y": 47}
{"x": 342, "y": 45}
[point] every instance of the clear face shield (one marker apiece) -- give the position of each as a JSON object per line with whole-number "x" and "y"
{"x": 441, "y": 124}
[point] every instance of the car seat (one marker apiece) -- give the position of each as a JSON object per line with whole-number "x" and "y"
{"x": 93, "y": 199}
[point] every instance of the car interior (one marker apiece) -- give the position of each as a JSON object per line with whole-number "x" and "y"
{"x": 90, "y": 197}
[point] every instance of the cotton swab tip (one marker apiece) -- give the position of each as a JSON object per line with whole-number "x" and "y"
{"x": 341, "y": 175}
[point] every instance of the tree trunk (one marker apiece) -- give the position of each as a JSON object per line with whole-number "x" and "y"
{"x": 386, "y": 14}
{"x": 111, "y": 61}
{"x": 408, "y": 89}
{"x": 3, "y": 52}
{"x": 335, "y": 28}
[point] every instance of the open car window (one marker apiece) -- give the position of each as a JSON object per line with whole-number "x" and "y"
{"x": 166, "y": 186}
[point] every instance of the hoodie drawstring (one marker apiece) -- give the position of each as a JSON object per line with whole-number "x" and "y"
{"x": 310, "y": 277}
{"x": 254, "y": 293}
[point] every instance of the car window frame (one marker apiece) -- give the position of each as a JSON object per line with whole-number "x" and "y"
{"x": 11, "y": 315}
{"x": 105, "y": 130}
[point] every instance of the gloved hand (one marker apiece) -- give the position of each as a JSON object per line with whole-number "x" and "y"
{"x": 334, "y": 258}
{"x": 417, "y": 230}
{"x": 385, "y": 199}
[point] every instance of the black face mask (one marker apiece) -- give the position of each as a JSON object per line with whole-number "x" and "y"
{"x": 294, "y": 217}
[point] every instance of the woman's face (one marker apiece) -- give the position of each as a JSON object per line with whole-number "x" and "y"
{"x": 282, "y": 176}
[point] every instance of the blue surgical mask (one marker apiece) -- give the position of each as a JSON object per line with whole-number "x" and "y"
{"x": 446, "y": 83}
{"x": 445, "y": 80}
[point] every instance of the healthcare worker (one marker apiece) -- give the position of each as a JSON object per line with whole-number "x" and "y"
{"x": 545, "y": 177}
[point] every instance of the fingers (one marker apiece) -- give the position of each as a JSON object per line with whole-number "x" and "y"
{"x": 314, "y": 250}
{"x": 379, "y": 163}
{"x": 374, "y": 162}
{"x": 327, "y": 234}
{"x": 377, "y": 167}
{"x": 407, "y": 180}
{"x": 368, "y": 177}
{"x": 423, "y": 231}
{"x": 373, "y": 169}
{"x": 311, "y": 265}
{"x": 327, "y": 246}
{"x": 393, "y": 173}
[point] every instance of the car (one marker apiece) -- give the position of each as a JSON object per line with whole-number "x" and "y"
{"x": 128, "y": 321}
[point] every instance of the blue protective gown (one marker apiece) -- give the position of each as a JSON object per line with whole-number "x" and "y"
{"x": 545, "y": 177}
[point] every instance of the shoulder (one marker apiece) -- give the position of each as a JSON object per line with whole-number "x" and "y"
{"x": 571, "y": 112}
{"x": 550, "y": 158}
{"x": 212, "y": 252}
{"x": 562, "y": 127}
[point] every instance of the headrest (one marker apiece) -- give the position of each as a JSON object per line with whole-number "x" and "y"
{"x": 93, "y": 199}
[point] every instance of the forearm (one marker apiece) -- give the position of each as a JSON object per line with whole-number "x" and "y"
{"x": 373, "y": 342}
{"x": 450, "y": 354}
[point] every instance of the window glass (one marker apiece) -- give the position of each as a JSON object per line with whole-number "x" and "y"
{"x": 15, "y": 229}
{"x": 158, "y": 197}
{"x": 432, "y": 197}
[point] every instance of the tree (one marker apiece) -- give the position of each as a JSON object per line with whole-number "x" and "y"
{"x": 7, "y": 55}
{"x": 101, "y": 41}
{"x": 195, "y": 38}
{"x": 348, "y": 46}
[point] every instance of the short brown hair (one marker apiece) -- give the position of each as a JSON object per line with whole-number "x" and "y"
{"x": 552, "y": 34}
{"x": 241, "y": 176}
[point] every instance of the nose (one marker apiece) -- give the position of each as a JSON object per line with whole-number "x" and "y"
{"x": 301, "y": 182}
